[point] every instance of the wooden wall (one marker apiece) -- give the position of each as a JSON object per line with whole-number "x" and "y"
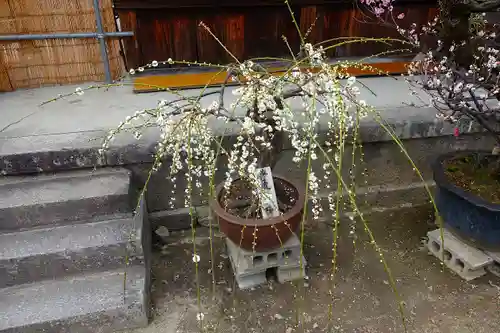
{"x": 170, "y": 29}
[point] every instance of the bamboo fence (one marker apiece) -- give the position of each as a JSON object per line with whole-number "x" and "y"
{"x": 34, "y": 63}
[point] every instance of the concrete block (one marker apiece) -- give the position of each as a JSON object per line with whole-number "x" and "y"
{"x": 286, "y": 274}
{"x": 32, "y": 201}
{"x": 102, "y": 302}
{"x": 494, "y": 255}
{"x": 494, "y": 268}
{"x": 251, "y": 280}
{"x": 248, "y": 261}
{"x": 48, "y": 253}
{"x": 465, "y": 260}
{"x": 250, "y": 268}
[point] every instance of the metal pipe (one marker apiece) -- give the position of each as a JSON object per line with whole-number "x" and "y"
{"x": 102, "y": 42}
{"x": 64, "y": 35}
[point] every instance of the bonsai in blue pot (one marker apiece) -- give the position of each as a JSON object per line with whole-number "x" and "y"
{"x": 460, "y": 69}
{"x": 468, "y": 196}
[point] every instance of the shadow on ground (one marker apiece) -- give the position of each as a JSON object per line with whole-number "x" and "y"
{"x": 362, "y": 301}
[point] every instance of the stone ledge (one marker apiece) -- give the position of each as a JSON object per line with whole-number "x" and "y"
{"x": 54, "y": 140}
{"x": 81, "y": 150}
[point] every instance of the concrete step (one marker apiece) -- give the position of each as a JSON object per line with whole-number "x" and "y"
{"x": 53, "y": 252}
{"x": 31, "y": 201}
{"x": 90, "y": 303}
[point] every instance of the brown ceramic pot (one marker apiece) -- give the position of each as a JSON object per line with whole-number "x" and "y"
{"x": 270, "y": 233}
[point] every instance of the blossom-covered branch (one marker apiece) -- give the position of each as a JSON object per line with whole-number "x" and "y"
{"x": 459, "y": 61}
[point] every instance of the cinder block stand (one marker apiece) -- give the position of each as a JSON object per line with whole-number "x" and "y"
{"x": 465, "y": 260}
{"x": 252, "y": 268}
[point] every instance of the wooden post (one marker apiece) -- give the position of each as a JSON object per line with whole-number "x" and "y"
{"x": 5, "y": 84}
{"x": 128, "y": 22}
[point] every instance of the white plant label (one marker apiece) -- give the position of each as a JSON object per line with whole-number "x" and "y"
{"x": 267, "y": 193}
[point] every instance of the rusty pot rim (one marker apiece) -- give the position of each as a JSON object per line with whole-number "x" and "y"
{"x": 296, "y": 208}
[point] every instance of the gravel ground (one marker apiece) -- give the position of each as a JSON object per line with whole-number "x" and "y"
{"x": 435, "y": 300}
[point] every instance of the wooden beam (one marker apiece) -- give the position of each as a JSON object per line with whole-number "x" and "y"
{"x": 186, "y": 80}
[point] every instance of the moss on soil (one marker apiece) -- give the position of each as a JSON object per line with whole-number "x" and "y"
{"x": 477, "y": 175}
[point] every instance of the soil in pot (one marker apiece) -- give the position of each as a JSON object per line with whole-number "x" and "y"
{"x": 241, "y": 202}
{"x": 477, "y": 174}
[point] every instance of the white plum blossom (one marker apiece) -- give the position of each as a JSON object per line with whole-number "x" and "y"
{"x": 460, "y": 73}
{"x": 248, "y": 125}
{"x": 351, "y": 81}
{"x": 79, "y": 91}
{"x": 162, "y": 103}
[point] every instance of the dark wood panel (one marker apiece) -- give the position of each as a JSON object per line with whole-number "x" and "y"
{"x": 143, "y": 4}
{"x": 264, "y": 30}
{"x": 249, "y": 32}
{"x": 312, "y": 23}
{"x": 136, "y": 4}
{"x": 184, "y": 39}
{"x": 234, "y": 35}
{"x": 355, "y": 23}
{"x": 229, "y": 31}
{"x": 162, "y": 35}
{"x": 209, "y": 50}
{"x": 154, "y": 37}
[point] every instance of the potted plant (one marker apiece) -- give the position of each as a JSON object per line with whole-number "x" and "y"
{"x": 459, "y": 68}
{"x": 261, "y": 215}
{"x": 256, "y": 208}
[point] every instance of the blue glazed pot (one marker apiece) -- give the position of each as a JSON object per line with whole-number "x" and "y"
{"x": 467, "y": 215}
